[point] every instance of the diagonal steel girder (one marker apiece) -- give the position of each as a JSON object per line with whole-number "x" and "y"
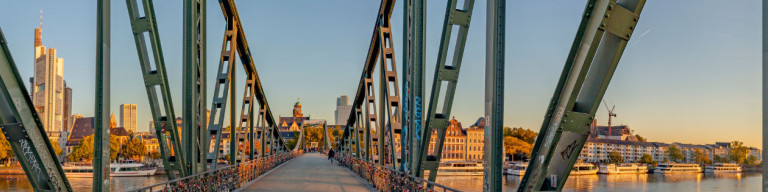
{"x": 269, "y": 128}
{"x": 448, "y": 73}
{"x": 156, "y": 85}
{"x": 24, "y": 131}
{"x": 603, "y": 34}
{"x": 362, "y": 94}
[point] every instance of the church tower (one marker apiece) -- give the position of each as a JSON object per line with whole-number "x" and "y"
{"x": 297, "y": 109}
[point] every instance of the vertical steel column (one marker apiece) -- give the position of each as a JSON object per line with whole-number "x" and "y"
{"x": 449, "y": 74}
{"x": 156, "y": 85}
{"x": 413, "y": 73}
{"x": 101, "y": 113}
{"x": 765, "y": 92}
{"x": 262, "y": 132}
{"x": 246, "y": 115}
{"x": 221, "y": 91}
{"x": 494, "y": 95}
{"x": 605, "y": 29}
{"x": 24, "y": 131}
{"x": 232, "y": 113}
{"x": 194, "y": 100}
{"x": 358, "y": 130}
{"x": 405, "y": 118}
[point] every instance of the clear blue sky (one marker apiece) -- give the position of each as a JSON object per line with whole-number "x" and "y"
{"x": 691, "y": 72}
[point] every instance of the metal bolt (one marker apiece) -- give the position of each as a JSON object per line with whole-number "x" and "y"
{"x": 631, "y": 27}
{"x": 607, "y": 15}
{"x": 602, "y": 24}
{"x": 628, "y": 35}
{"x": 610, "y": 7}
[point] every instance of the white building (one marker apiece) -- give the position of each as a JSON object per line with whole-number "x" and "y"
{"x": 596, "y": 150}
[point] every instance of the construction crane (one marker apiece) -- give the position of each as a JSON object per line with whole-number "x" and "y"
{"x": 610, "y": 114}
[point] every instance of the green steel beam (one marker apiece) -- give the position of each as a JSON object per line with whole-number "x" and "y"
{"x": 144, "y": 28}
{"x": 605, "y": 29}
{"x": 193, "y": 127}
{"x": 23, "y": 129}
{"x": 229, "y": 10}
{"x": 101, "y": 111}
{"x": 413, "y": 83}
{"x": 224, "y": 75}
{"x": 385, "y": 12}
{"x": 449, "y": 74}
{"x": 494, "y": 95}
{"x": 239, "y": 137}
{"x": 389, "y": 94}
{"x": 765, "y": 93}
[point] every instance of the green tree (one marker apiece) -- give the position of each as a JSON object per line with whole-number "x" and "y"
{"x": 526, "y": 135}
{"x": 640, "y": 138}
{"x": 674, "y": 153}
{"x": 701, "y": 157}
{"x": 719, "y": 159}
{"x": 647, "y": 159}
{"x": 84, "y": 150}
{"x": 615, "y": 157}
{"x": 751, "y": 160}
{"x": 738, "y": 152}
{"x": 134, "y": 148}
{"x": 6, "y": 152}
{"x": 56, "y": 148}
{"x": 154, "y": 154}
{"x": 513, "y": 145}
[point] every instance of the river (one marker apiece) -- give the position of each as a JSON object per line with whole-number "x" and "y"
{"x": 625, "y": 182}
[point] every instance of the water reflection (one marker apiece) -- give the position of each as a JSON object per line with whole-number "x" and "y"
{"x": 20, "y": 183}
{"x": 629, "y": 182}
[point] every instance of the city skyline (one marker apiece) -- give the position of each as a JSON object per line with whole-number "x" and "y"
{"x": 671, "y": 85}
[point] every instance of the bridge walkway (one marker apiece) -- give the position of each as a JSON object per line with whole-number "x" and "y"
{"x": 309, "y": 172}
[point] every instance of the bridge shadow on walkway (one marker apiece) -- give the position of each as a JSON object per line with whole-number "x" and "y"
{"x": 309, "y": 172}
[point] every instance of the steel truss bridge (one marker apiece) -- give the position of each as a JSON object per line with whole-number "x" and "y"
{"x": 386, "y": 143}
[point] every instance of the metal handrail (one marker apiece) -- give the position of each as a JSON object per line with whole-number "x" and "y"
{"x": 227, "y": 178}
{"x": 387, "y": 179}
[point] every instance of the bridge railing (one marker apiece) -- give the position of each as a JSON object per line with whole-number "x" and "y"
{"x": 387, "y": 179}
{"x": 226, "y": 178}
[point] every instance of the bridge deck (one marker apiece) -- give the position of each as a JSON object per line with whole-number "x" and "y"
{"x": 309, "y": 172}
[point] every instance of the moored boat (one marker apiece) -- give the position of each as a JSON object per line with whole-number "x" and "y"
{"x": 622, "y": 168}
{"x": 583, "y": 169}
{"x": 123, "y": 169}
{"x": 517, "y": 169}
{"x": 723, "y": 168}
{"x": 458, "y": 168}
{"x": 677, "y": 168}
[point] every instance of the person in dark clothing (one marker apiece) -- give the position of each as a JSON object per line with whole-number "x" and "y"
{"x": 330, "y": 155}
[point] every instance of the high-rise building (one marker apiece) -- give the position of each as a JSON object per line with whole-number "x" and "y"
{"x": 48, "y": 87}
{"x": 342, "y": 110}
{"x": 68, "y": 122}
{"x": 128, "y": 117}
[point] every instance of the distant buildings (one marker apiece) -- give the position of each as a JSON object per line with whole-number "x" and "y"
{"x": 599, "y": 144}
{"x": 342, "y": 110}
{"x": 287, "y": 125}
{"x": 48, "y": 89}
{"x": 128, "y": 116}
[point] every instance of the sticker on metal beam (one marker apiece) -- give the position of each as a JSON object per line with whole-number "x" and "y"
{"x": 576, "y": 122}
{"x": 141, "y": 25}
{"x": 619, "y": 21}
{"x": 459, "y": 17}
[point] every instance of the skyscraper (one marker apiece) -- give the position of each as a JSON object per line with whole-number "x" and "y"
{"x": 48, "y": 87}
{"x": 128, "y": 117}
{"x": 68, "y": 122}
{"x": 342, "y": 110}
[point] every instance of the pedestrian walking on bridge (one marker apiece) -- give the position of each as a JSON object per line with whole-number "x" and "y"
{"x": 330, "y": 155}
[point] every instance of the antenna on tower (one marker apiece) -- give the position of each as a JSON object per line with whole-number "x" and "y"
{"x": 41, "y": 19}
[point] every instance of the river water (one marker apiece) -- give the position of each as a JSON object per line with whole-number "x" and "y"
{"x": 626, "y": 182}
{"x": 629, "y": 182}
